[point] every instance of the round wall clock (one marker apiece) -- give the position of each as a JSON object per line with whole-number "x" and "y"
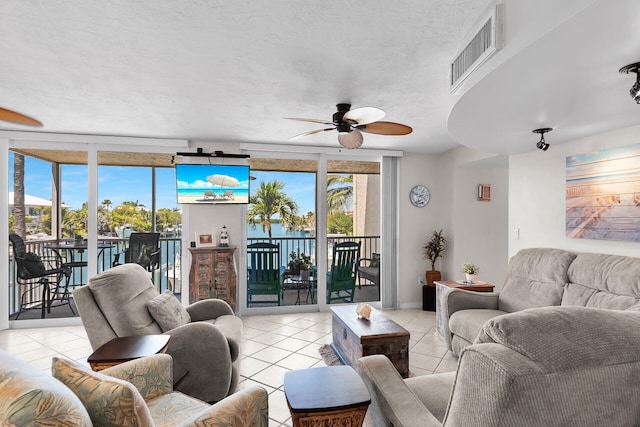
{"x": 419, "y": 196}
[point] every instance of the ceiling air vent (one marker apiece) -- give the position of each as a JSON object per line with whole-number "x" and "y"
{"x": 483, "y": 42}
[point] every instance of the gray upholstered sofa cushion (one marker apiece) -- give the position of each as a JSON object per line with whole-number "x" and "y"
{"x": 168, "y": 311}
{"x": 535, "y": 278}
{"x": 603, "y": 281}
{"x": 126, "y": 309}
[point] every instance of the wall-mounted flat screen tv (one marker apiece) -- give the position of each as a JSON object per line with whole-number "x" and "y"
{"x": 203, "y": 183}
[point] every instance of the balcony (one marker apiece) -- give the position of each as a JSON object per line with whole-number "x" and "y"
{"x": 168, "y": 276}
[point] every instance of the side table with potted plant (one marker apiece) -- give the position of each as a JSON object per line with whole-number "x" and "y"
{"x": 433, "y": 250}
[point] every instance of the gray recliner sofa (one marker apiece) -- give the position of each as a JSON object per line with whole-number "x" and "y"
{"x": 540, "y": 277}
{"x": 205, "y": 346}
{"x": 549, "y": 366}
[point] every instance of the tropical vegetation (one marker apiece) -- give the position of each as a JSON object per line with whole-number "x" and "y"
{"x": 271, "y": 204}
{"x": 270, "y": 200}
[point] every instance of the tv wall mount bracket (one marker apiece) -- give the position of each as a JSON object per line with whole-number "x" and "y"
{"x": 200, "y": 153}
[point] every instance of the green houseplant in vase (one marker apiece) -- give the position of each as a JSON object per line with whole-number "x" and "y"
{"x": 300, "y": 264}
{"x": 470, "y": 271}
{"x": 433, "y": 249}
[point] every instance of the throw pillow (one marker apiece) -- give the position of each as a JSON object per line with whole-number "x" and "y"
{"x": 33, "y": 265}
{"x": 375, "y": 260}
{"x": 168, "y": 311}
{"x": 110, "y": 401}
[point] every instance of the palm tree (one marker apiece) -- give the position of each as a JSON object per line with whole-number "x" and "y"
{"x": 270, "y": 200}
{"x": 107, "y": 203}
{"x": 19, "y": 224}
{"x": 339, "y": 192}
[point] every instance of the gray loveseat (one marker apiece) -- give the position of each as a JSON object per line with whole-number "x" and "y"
{"x": 205, "y": 344}
{"x": 550, "y": 366}
{"x": 540, "y": 277}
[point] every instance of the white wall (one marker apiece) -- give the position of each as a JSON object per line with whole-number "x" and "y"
{"x": 415, "y": 224}
{"x": 537, "y": 196}
{"x": 476, "y": 232}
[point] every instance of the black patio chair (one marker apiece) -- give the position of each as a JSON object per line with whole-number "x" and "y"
{"x": 40, "y": 277}
{"x": 144, "y": 250}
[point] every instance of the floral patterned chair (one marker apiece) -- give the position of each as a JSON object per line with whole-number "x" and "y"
{"x": 135, "y": 393}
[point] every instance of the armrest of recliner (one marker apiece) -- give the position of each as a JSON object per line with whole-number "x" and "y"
{"x": 459, "y": 299}
{"x": 391, "y": 398}
{"x": 208, "y": 309}
{"x": 200, "y": 352}
{"x": 247, "y": 407}
{"x": 138, "y": 371}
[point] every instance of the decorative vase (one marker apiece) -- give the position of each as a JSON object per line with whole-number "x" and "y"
{"x": 305, "y": 274}
{"x": 470, "y": 278}
{"x": 432, "y": 276}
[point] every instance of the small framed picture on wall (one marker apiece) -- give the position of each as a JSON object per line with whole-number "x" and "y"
{"x": 204, "y": 240}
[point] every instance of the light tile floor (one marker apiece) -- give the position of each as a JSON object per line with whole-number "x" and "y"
{"x": 272, "y": 345}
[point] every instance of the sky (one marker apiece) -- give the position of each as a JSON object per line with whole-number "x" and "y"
{"x": 120, "y": 184}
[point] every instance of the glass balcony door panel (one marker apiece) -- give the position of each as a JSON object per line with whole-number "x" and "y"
{"x": 282, "y": 212}
{"x": 353, "y": 218}
{"x": 139, "y": 199}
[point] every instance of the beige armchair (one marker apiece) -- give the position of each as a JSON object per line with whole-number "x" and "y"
{"x": 205, "y": 336}
{"x": 552, "y": 366}
{"x": 136, "y": 393}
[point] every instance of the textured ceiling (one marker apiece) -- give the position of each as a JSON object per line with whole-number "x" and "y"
{"x": 230, "y": 71}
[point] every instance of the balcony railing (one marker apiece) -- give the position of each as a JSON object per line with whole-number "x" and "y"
{"x": 306, "y": 245}
{"x": 167, "y": 276}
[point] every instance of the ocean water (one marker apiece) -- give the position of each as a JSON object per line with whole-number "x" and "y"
{"x": 277, "y": 230}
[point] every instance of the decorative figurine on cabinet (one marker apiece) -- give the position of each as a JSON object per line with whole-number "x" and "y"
{"x": 224, "y": 237}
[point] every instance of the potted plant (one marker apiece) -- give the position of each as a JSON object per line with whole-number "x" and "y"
{"x": 433, "y": 250}
{"x": 470, "y": 271}
{"x": 300, "y": 264}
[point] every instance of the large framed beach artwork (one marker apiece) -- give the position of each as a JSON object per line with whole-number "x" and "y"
{"x": 603, "y": 194}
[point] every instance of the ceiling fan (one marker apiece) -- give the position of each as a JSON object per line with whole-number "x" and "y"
{"x": 12, "y": 116}
{"x": 351, "y": 123}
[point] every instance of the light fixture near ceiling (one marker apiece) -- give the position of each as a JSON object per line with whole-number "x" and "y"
{"x": 635, "y": 89}
{"x": 542, "y": 144}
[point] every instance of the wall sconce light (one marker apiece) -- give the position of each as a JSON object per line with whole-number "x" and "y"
{"x": 635, "y": 89}
{"x": 542, "y": 144}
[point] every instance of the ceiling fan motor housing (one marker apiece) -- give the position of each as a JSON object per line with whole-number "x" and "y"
{"x": 338, "y": 118}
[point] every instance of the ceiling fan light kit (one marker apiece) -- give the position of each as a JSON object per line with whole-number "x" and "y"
{"x": 635, "y": 89}
{"x": 351, "y": 123}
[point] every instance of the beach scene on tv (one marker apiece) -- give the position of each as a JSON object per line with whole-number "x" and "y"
{"x": 201, "y": 184}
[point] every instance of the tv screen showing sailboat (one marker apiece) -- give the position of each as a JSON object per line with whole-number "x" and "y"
{"x": 204, "y": 184}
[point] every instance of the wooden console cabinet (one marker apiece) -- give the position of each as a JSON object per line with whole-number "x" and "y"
{"x": 213, "y": 274}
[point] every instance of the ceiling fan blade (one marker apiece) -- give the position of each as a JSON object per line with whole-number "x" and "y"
{"x": 386, "y": 128}
{"x": 364, "y": 115}
{"x": 324, "y": 122}
{"x": 351, "y": 139}
{"x": 12, "y": 116}
{"x": 310, "y": 133}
